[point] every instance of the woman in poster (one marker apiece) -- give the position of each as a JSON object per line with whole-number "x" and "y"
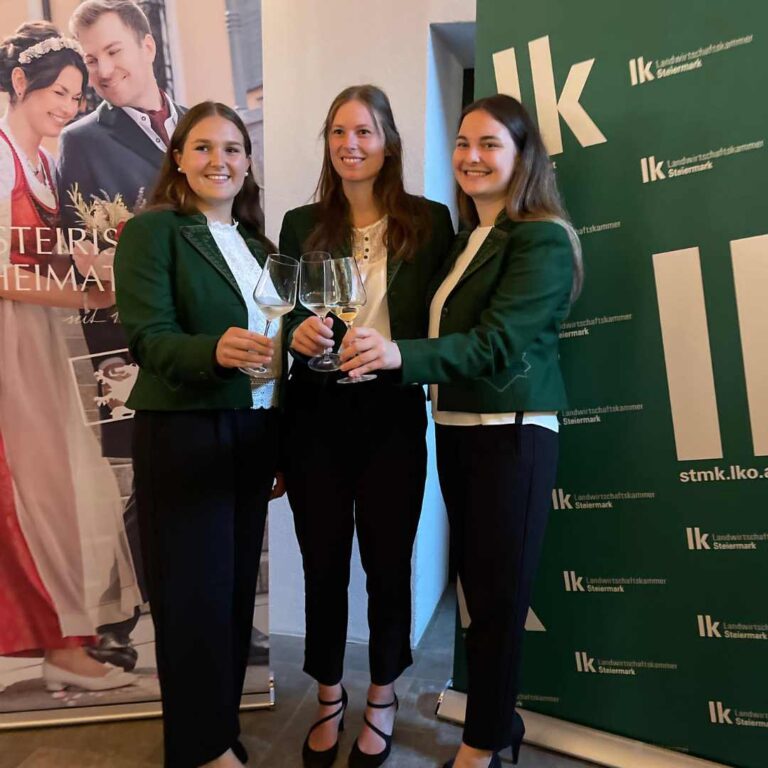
{"x": 66, "y": 568}
{"x": 357, "y": 453}
{"x": 492, "y": 360}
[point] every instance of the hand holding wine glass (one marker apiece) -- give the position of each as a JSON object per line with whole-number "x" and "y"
{"x": 350, "y": 297}
{"x": 275, "y": 295}
{"x": 317, "y": 292}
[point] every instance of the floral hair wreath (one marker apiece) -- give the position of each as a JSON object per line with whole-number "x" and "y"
{"x": 48, "y": 45}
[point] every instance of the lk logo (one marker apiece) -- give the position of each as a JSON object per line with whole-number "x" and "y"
{"x": 573, "y": 583}
{"x": 652, "y": 170}
{"x": 561, "y": 500}
{"x": 584, "y": 663}
{"x": 549, "y": 107}
{"x": 718, "y": 714}
{"x": 640, "y": 71}
{"x": 707, "y": 627}
{"x": 697, "y": 539}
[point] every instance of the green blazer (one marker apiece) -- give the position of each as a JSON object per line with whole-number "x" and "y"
{"x": 497, "y": 350}
{"x": 176, "y": 297}
{"x": 407, "y": 281}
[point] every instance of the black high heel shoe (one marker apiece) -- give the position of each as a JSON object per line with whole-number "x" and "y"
{"x": 495, "y": 761}
{"x": 360, "y": 759}
{"x": 240, "y": 752}
{"x": 518, "y": 732}
{"x": 324, "y": 758}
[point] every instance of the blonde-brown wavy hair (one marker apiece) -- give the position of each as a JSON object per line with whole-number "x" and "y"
{"x": 532, "y": 194}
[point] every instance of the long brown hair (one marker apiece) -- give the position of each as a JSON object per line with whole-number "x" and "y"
{"x": 172, "y": 191}
{"x": 409, "y": 221}
{"x": 532, "y": 194}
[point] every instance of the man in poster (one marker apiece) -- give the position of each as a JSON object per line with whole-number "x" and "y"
{"x": 116, "y": 150}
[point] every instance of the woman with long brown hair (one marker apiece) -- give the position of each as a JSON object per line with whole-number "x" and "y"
{"x": 205, "y": 436}
{"x": 492, "y": 362}
{"x": 357, "y": 453}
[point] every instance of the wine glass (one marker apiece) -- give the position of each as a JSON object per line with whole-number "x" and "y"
{"x": 317, "y": 292}
{"x": 350, "y": 296}
{"x": 275, "y": 295}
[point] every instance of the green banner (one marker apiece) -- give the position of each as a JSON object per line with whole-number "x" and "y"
{"x": 651, "y": 591}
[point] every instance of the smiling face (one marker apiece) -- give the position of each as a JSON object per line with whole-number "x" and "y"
{"x": 484, "y": 158}
{"x": 214, "y": 161}
{"x": 119, "y": 66}
{"x": 356, "y": 144}
{"x": 49, "y": 109}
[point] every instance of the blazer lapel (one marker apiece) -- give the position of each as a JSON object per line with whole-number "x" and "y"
{"x": 393, "y": 267}
{"x": 459, "y": 244}
{"x": 127, "y": 133}
{"x": 200, "y": 237}
{"x": 489, "y": 249}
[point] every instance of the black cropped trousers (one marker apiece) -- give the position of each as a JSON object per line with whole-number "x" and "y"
{"x": 356, "y": 460}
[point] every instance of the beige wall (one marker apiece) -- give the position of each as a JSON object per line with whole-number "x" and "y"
{"x": 200, "y": 44}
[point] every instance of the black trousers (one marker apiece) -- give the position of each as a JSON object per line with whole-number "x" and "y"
{"x": 203, "y": 480}
{"x": 357, "y": 460}
{"x": 497, "y": 483}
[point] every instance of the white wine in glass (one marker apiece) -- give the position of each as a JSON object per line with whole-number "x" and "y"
{"x": 317, "y": 292}
{"x": 350, "y": 297}
{"x": 275, "y": 295}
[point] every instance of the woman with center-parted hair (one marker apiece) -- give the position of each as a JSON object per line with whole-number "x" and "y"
{"x": 493, "y": 365}
{"x": 205, "y": 436}
{"x": 357, "y": 457}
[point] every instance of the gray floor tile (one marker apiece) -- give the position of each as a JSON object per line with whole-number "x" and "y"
{"x": 274, "y": 737}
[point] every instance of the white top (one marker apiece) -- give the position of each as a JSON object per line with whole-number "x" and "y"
{"x": 546, "y": 419}
{"x": 142, "y": 120}
{"x": 246, "y": 271}
{"x": 370, "y": 252}
{"x": 40, "y": 189}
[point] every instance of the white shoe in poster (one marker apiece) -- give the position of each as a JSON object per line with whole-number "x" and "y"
{"x": 57, "y": 679}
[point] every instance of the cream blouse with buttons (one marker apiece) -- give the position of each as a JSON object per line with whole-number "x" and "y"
{"x": 459, "y": 418}
{"x": 370, "y": 251}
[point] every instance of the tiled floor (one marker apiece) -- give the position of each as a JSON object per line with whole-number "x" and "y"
{"x": 274, "y": 737}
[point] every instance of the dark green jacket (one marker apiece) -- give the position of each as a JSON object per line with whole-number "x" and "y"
{"x": 176, "y": 297}
{"x": 407, "y": 281}
{"x": 497, "y": 350}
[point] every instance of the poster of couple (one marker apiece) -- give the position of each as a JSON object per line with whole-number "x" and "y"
{"x": 90, "y": 94}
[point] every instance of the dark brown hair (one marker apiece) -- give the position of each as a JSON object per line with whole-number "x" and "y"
{"x": 409, "y": 221}
{"x": 89, "y": 12}
{"x": 42, "y": 71}
{"x": 532, "y": 194}
{"x": 172, "y": 191}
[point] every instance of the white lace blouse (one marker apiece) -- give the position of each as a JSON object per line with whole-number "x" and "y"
{"x": 246, "y": 271}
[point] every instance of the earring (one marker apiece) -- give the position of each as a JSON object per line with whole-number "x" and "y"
{"x": 178, "y": 168}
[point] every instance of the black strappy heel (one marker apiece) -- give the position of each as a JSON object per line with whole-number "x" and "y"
{"x": 324, "y": 758}
{"x": 358, "y": 758}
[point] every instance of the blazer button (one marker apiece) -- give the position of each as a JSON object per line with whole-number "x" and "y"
{"x": 444, "y": 312}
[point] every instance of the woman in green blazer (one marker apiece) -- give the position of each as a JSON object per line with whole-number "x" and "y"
{"x": 492, "y": 362}
{"x": 357, "y": 455}
{"x": 205, "y": 436}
